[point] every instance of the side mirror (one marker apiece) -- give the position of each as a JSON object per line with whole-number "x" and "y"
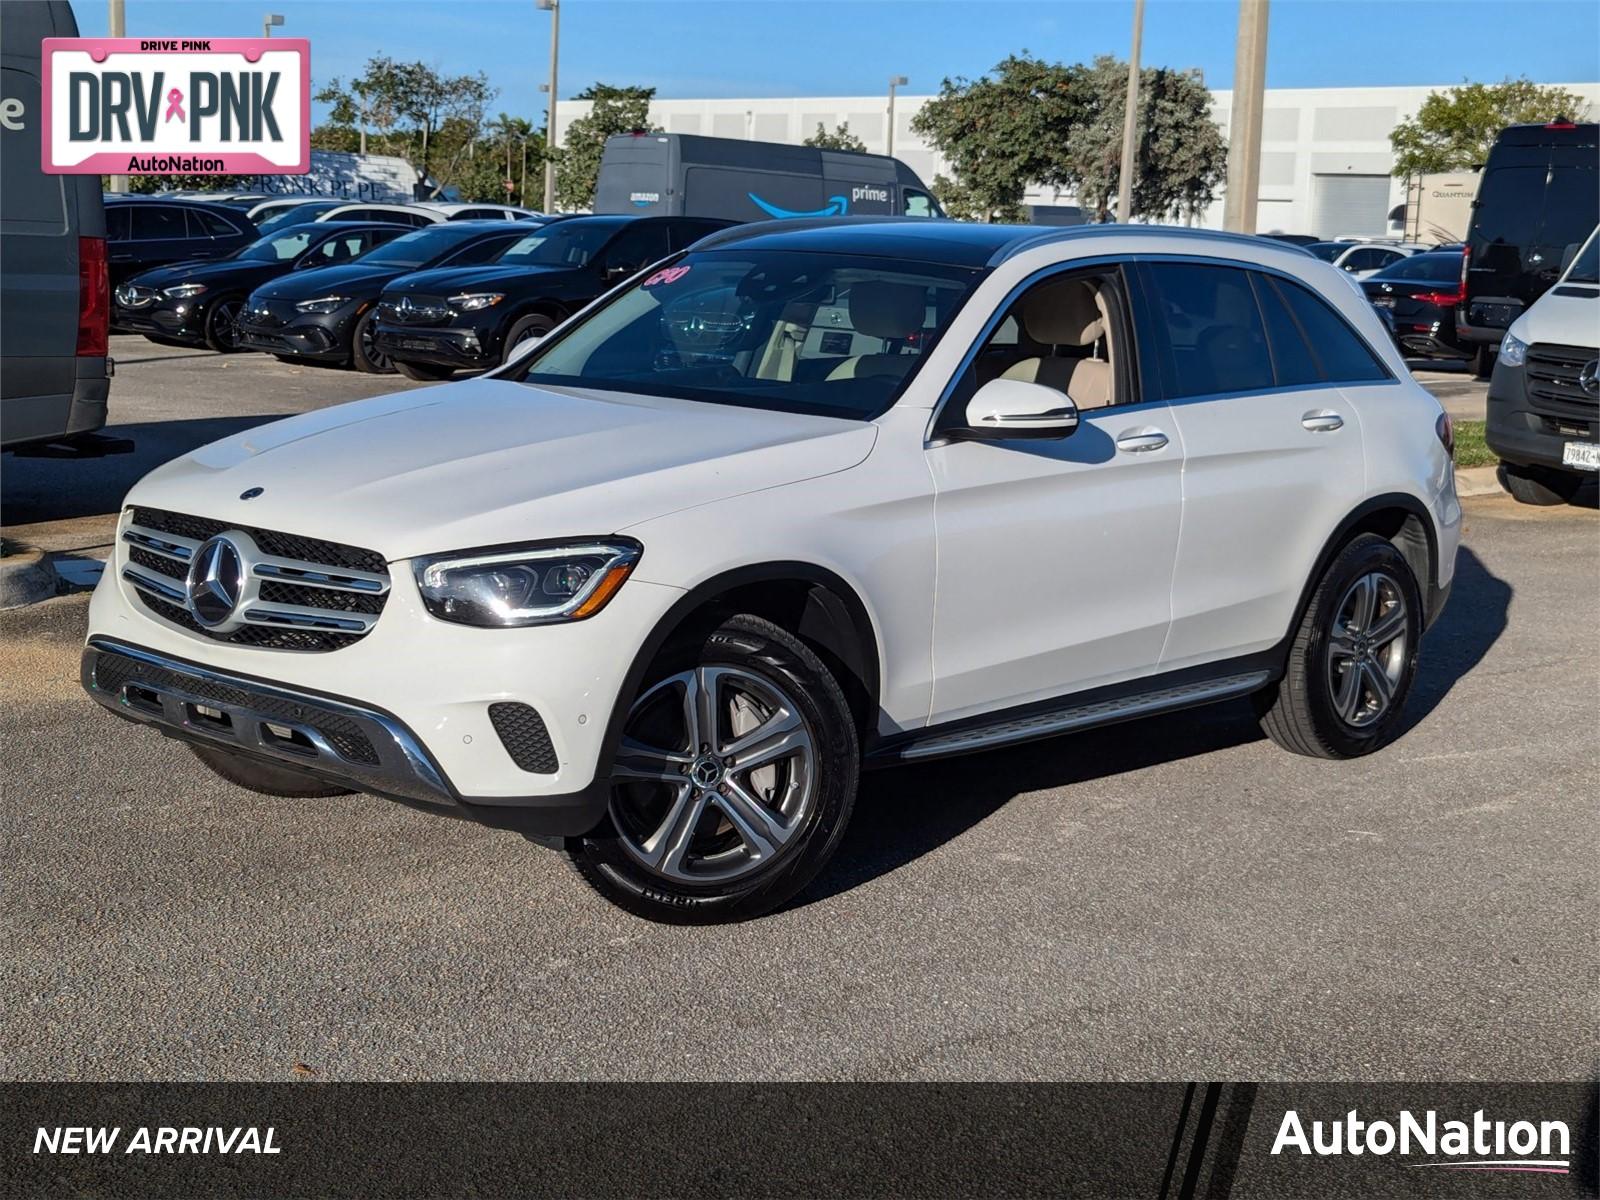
{"x": 1012, "y": 408}
{"x": 522, "y": 349}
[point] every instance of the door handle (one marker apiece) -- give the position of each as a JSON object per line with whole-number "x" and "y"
{"x": 1322, "y": 421}
{"x": 1137, "y": 441}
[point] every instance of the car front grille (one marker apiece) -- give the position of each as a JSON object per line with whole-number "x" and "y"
{"x": 1552, "y": 381}
{"x": 133, "y": 295}
{"x": 415, "y": 310}
{"x": 301, "y": 593}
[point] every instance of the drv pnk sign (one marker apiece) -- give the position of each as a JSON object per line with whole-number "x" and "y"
{"x": 177, "y": 106}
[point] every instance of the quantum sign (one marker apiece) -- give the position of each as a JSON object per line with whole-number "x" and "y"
{"x": 169, "y": 106}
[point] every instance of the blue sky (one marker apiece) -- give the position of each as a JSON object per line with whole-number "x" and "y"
{"x": 722, "y": 48}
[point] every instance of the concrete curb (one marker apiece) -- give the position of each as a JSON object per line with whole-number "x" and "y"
{"x": 1478, "y": 481}
{"x": 26, "y": 577}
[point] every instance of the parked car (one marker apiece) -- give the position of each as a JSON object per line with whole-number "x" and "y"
{"x": 1420, "y": 293}
{"x": 302, "y": 213}
{"x": 198, "y": 303}
{"x": 410, "y": 215}
{"x": 660, "y": 588}
{"x": 146, "y": 232}
{"x": 480, "y": 211}
{"x": 1538, "y": 199}
{"x": 328, "y": 315}
{"x": 1294, "y": 239}
{"x": 1361, "y": 259}
{"x": 435, "y": 323}
{"x": 1544, "y": 395}
{"x": 272, "y": 206}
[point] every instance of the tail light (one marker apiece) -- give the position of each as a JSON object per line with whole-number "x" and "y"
{"x": 94, "y": 298}
{"x": 1561, "y": 123}
{"x": 1442, "y": 299}
{"x": 1447, "y": 434}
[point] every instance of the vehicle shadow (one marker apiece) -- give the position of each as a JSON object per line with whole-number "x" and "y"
{"x": 905, "y": 812}
{"x": 38, "y": 490}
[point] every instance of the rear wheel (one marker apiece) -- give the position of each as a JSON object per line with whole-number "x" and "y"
{"x": 1353, "y": 658}
{"x": 364, "y": 352}
{"x": 1539, "y": 486}
{"x": 268, "y": 778}
{"x": 733, "y": 783}
{"x": 222, "y": 324}
{"x": 425, "y": 371}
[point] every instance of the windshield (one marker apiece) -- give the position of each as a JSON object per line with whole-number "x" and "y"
{"x": 416, "y": 249}
{"x": 1328, "y": 251}
{"x": 560, "y": 245}
{"x": 299, "y": 214}
{"x": 831, "y": 334}
{"x": 283, "y": 247}
{"x": 1431, "y": 268}
{"x": 1586, "y": 267}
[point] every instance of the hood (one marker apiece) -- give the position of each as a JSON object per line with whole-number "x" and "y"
{"x": 490, "y": 461}
{"x": 439, "y": 279}
{"x": 202, "y": 271}
{"x": 1565, "y": 320}
{"x": 323, "y": 281}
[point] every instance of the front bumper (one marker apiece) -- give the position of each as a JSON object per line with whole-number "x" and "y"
{"x": 443, "y": 346}
{"x": 307, "y": 340}
{"x": 1527, "y": 433}
{"x": 185, "y": 322}
{"x": 345, "y": 741}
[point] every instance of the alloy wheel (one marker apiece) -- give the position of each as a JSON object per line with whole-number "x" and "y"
{"x": 1367, "y": 647}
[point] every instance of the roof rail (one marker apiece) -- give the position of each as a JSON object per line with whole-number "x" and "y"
{"x": 1068, "y": 233}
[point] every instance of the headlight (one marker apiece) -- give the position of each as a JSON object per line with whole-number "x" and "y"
{"x": 1513, "y": 351}
{"x": 473, "y": 301}
{"x": 184, "y": 290}
{"x": 322, "y": 304}
{"x": 525, "y": 585}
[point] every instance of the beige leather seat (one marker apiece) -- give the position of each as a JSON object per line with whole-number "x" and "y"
{"x": 882, "y": 310}
{"x": 1069, "y": 313}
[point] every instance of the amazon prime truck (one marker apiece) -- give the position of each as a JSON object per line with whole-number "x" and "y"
{"x": 683, "y": 175}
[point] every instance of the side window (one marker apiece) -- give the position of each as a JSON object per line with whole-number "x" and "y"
{"x": 1215, "y": 337}
{"x": 209, "y": 224}
{"x": 917, "y": 204}
{"x": 117, "y": 222}
{"x": 637, "y": 247}
{"x": 1344, "y": 356}
{"x": 341, "y": 248}
{"x": 1294, "y": 362}
{"x": 415, "y": 220}
{"x": 157, "y": 221}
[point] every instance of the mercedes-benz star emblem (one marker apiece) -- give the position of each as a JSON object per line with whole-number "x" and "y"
{"x": 405, "y": 306}
{"x": 1589, "y": 377}
{"x": 216, "y": 578}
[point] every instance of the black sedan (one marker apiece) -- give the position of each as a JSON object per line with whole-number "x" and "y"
{"x": 327, "y": 315}
{"x": 152, "y": 231}
{"x": 434, "y": 323}
{"x": 1421, "y": 293}
{"x": 198, "y": 303}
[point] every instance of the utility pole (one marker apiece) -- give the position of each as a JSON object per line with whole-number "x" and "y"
{"x": 1130, "y": 120}
{"x": 363, "y": 96}
{"x": 1244, "y": 134}
{"x": 268, "y": 21}
{"x": 119, "y": 183}
{"x": 894, "y": 82}
{"x": 554, "y": 9}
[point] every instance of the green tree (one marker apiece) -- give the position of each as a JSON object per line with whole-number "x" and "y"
{"x": 1000, "y": 133}
{"x": 147, "y": 184}
{"x": 615, "y": 110}
{"x": 840, "y": 139}
{"x": 1455, "y": 128}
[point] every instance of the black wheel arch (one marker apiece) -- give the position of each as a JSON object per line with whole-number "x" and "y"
{"x": 1401, "y": 518}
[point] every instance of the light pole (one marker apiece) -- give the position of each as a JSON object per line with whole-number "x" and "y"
{"x": 118, "y": 28}
{"x": 894, "y": 82}
{"x": 1244, "y": 136}
{"x": 553, "y": 7}
{"x": 268, "y": 22}
{"x": 1130, "y": 120}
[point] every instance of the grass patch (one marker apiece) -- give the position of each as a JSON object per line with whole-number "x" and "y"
{"x": 1471, "y": 449}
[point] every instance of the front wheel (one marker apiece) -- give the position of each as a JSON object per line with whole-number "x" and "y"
{"x": 1353, "y": 658}
{"x": 364, "y": 352}
{"x": 524, "y": 330}
{"x": 733, "y": 783}
{"x": 222, "y": 325}
{"x": 1542, "y": 487}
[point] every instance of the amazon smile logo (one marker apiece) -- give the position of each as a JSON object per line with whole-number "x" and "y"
{"x": 837, "y": 206}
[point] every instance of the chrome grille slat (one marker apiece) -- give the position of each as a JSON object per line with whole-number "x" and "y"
{"x": 300, "y": 617}
{"x": 156, "y": 587}
{"x": 168, "y": 545}
{"x": 308, "y": 574}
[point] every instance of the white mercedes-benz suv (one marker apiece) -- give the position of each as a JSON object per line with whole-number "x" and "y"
{"x": 812, "y": 497}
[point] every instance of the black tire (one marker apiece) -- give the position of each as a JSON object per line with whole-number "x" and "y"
{"x": 222, "y": 333}
{"x": 528, "y": 327}
{"x": 1299, "y": 712}
{"x": 364, "y": 354}
{"x": 265, "y": 777}
{"x": 423, "y": 371}
{"x": 1544, "y": 488}
{"x": 755, "y": 648}
{"x": 287, "y": 358}
{"x": 1483, "y": 361}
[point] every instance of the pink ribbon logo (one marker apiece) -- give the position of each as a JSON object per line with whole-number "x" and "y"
{"x": 175, "y": 105}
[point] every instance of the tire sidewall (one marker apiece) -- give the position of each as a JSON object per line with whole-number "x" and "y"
{"x": 535, "y": 325}
{"x": 742, "y": 643}
{"x": 1362, "y": 557}
{"x": 213, "y": 340}
{"x": 358, "y": 356}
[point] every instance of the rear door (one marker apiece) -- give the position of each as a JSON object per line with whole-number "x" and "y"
{"x": 1253, "y": 365}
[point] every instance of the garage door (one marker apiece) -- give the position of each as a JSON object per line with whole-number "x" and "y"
{"x": 1350, "y": 204}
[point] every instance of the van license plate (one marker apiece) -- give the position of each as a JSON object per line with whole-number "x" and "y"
{"x": 1583, "y": 455}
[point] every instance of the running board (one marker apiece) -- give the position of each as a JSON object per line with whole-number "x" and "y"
{"x": 1004, "y": 730}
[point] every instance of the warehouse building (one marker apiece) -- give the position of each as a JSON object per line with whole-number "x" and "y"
{"x": 1325, "y": 156}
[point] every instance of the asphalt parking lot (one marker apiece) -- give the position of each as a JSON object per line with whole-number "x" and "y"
{"x": 1174, "y": 898}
